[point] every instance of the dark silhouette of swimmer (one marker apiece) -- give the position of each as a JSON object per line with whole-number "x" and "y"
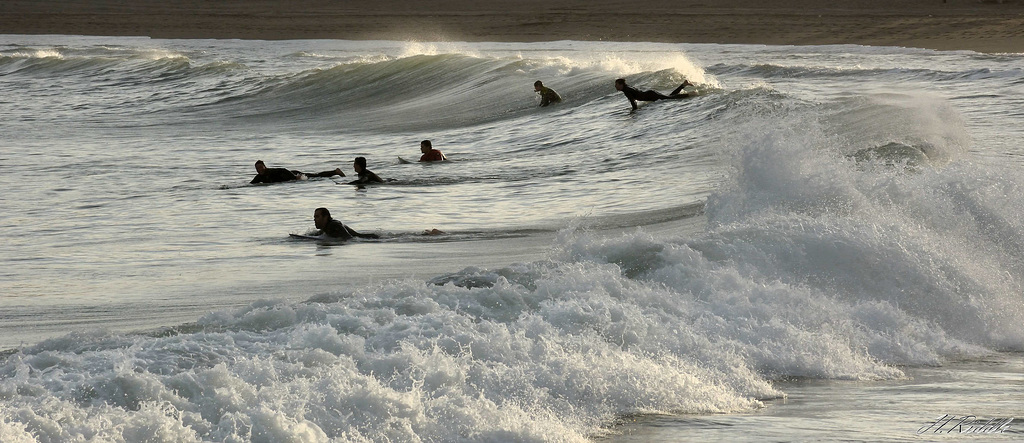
{"x": 334, "y": 228}
{"x": 649, "y": 96}
{"x": 547, "y": 95}
{"x": 365, "y": 175}
{"x": 429, "y": 153}
{"x": 277, "y": 175}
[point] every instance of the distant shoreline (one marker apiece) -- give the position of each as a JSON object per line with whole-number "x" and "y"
{"x": 993, "y": 26}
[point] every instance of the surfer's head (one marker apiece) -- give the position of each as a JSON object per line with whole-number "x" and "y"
{"x": 321, "y": 217}
{"x": 425, "y": 146}
{"x": 260, "y": 167}
{"x": 359, "y": 164}
{"x": 537, "y": 85}
{"x": 620, "y": 83}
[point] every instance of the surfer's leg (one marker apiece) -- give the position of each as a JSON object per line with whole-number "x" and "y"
{"x": 336, "y": 171}
{"x": 680, "y": 88}
{"x": 650, "y": 96}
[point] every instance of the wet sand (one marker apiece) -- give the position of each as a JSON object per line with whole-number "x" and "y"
{"x": 979, "y": 25}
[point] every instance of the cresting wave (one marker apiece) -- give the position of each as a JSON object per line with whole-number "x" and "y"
{"x": 417, "y": 92}
{"x": 42, "y": 62}
{"x": 416, "y": 88}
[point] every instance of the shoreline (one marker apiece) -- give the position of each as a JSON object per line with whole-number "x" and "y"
{"x": 991, "y": 26}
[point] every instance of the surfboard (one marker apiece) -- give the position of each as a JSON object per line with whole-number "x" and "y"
{"x": 403, "y": 161}
{"x": 305, "y": 237}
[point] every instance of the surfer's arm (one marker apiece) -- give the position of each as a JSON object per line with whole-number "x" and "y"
{"x": 353, "y": 233}
{"x": 337, "y": 230}
{"x": 630, "y": 94}
{"x": 632, "y": 101}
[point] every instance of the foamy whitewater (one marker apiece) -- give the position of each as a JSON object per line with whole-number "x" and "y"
{"x": 826, "y": 243}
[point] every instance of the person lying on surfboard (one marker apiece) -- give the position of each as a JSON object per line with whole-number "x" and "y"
{"x": 649, "y": 96}
{"x": 429, "y": 153}
{"x": 365, "y": 175}
{"x": 335, "y": 228}
{"x": 278, "y": 175}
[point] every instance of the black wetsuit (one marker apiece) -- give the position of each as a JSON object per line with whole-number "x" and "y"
{"x": 337, "y": 229}
{"x": 275, "y": 175}
{"x": 548, "y": 96}
{"x": 366, "y": 177}
{"x": 649, "y": 96}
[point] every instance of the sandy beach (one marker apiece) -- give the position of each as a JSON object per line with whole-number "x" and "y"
{"x": 980, "y": 25}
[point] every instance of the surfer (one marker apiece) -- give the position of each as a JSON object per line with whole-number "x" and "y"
{"x": 365, "y": 175}
{"x": 429, "y": 153}
{"x": 278, "y": 175}
{"x": 649, "y": 96}
{"x": 547, "y": 95}
{"x": 334, "y": 228}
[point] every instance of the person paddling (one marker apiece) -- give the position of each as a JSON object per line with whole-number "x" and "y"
{"x": 278, "y": 175}
{"x": 429, "y": 153}
{"x": 365, "y": 175}
{"x": 649, "y": 95}
{"x": 547, "y": 95}
{"x": 333, "y": 228}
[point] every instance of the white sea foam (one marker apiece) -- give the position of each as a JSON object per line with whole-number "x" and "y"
{"x": 545, "y": 351}
{"x": 615, "y": 326}
{"x": 550, "y": 361}
{"x": 39, "y": 53}
{"x": 161, "y": 54}
{"x": 932, "y": 245}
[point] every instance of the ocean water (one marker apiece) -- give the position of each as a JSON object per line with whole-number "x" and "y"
{"x": 825, "y": 243}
